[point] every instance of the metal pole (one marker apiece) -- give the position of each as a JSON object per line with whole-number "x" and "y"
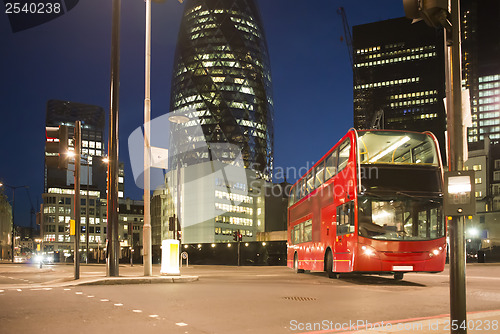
{"x": 239, "y": 245}
{"x": 13, "y": 221}
{"x": 87, "y": 215}
{"x": 112, "y": 197}
{"x": 77, "y": 141}
{"x": 458, "y": 310}
{"x": 147, "y": 118}
{"x": 131, "y": 230}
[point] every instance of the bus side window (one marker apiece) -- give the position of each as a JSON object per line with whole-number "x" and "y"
{"x": 345, "y": 149}
{"x": 345, "y": 218}
{"x": 331, "y": 165}
{"x": 320, "y": 175}
{"x": 300, "y": 194}
{"x": 310, "y": 182}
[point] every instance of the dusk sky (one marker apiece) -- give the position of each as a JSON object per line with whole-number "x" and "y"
{"x": 69, "y": 59}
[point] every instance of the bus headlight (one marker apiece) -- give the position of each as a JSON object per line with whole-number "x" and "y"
{"x": 368, "y": 251}
{"x": 436, "y": 251}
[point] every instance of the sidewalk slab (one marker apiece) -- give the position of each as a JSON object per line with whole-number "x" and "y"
{"x": 477, "y": 322}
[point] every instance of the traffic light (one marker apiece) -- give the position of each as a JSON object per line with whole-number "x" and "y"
{"x": 240, "y": 236}
{"x": 56, "y": 147}
{"x": 179, "y": 231}
{"x": 235, "y": 236}
{"x": 433, "y": 12}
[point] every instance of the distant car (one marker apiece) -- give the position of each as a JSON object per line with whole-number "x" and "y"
{"x": 43, "y": 258}
{"x": 491, "y": 254}
{"x": 20, "y": 259}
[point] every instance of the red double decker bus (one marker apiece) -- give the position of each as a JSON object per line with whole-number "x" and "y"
{"x": 372, "y": 204}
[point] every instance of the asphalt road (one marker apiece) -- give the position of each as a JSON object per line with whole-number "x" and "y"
{"x": 230, "y": 300}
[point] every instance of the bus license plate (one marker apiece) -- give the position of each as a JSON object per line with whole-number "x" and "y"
{"x": 402, "y": 268}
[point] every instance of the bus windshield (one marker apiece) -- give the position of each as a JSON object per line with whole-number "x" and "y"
{"x": 400, "y": 218}
{"x": 384, "y": 147}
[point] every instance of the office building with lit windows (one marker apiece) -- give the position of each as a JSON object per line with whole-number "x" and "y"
{"x": 481, "y": 64}
{"x": 222, "y": 74}
{"x": 57, "y": 208}
{"x": 399, "y": 77}
{"x": 222, "y": 83}
{"x": 487, "y": 116}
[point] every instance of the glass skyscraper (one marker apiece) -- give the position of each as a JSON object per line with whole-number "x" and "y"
{"x": 222, "y": 80}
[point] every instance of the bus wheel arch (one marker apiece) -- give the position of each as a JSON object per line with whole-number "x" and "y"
{"x": 296, "y": 264}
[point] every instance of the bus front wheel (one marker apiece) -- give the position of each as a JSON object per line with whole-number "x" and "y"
{"x": 329, "y": 266}
{"x": 398, "y": 276}
{"x": 296, "y": 264}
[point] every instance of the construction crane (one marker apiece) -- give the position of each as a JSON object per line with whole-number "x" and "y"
{"x": 377, "y": 121}
{"x": 347, "y": 34}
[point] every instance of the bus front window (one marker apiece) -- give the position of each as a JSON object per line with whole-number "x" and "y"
{"x": 400, "y": 218}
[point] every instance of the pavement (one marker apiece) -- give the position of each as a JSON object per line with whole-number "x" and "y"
{"x": 477, "y": 322}
{"x": 63, "y": 275}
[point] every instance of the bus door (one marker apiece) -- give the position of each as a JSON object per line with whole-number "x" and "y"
{"x": 342, "y": 256}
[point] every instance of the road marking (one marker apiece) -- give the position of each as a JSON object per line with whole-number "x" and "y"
{"x": 104, "y": 300}
{"x": 2, "y": 290}
{"x": 137, "y": 311}
{"x": 154, "y": 316}
{"x": 20, "y": 290}
{"x": 39, "y": 289}
{"x": 47, "y": 289}
{"x": 118, "y": 304}
{"x": 90, "y": 296}
{"x": 181, "y": 324}
{"x": 67, "y": 289}
{"x": 78, "y": 293}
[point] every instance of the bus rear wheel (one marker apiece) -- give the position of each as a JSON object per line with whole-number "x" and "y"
{"x": 398, "y": 276}
{"x": 329, "y": 266}
{"x": 296, "y": 264}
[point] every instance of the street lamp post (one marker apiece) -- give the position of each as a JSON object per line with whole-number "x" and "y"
{"x": 148, "y": 270}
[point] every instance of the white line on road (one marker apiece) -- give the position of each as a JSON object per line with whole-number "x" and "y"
{"x": 154, "y": 316}
{"x": 67, "y": 289}
{"x": 20, "y": 290}
{"x": 78, "y": 293}
{"x": 447, "y": 276}
{"x": 118, "y": 304}
{"x": 137, "y": 311}
{"x": 90, "y": 296}
{"x": 104, "y": 300}
{"x": 181, "y": 324}
{"x": 2, "y": 290}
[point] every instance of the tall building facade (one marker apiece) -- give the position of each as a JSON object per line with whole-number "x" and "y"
{"x": 58, "y": 197}
{"x": 5, "y": 227}
{"x": 481, "y": 64}
{"x": 399, "y": 77}
{"x": 222, "y": 76}
{"x": 222, "y": 83}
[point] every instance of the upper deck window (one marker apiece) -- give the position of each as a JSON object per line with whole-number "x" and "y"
{"x": 383, "y": 147}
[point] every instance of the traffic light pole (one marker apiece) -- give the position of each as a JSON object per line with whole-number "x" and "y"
{"x": 239, "y": 246}
{"x": 77, "y": 141}
{"x": 458, "y": 308}
{"x": 113, "y": 246}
